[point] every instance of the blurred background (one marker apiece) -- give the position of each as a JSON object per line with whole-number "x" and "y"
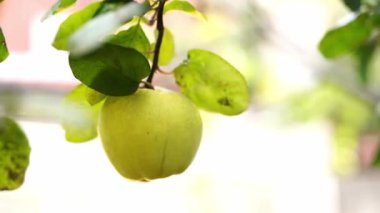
{"x": 308, "y": 143}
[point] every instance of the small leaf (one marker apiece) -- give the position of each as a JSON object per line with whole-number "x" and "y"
{"x": 134, "y": 37}
{"x": 376, "y": 160}
{"x": 354, "y": 5}
{"x": 57, "y": 7}
{"x": 184, "y": 6}
{"x": 212, "y": 83}
{"x": 79, "y": 118}
{"x": 364, "y": 55}
{"x": 107, "y": 6}
{"x": 14, "y": 154}
{"x": 167, "y": 50}
{"x": 347, "y": 38}
{"x": 112, "y": 70}
{"x": 3, "y": 47}
{"x": 72, "y": 24}
{"x": 93, "y": 97}
{"x": 117, "y": 1}
{"x": 94, "y": 33}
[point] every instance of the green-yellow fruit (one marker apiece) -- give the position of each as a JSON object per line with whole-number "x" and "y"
{"x": 150, "y": 134}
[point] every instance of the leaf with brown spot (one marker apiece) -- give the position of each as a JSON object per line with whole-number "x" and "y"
{"x": 212, "y": 83}
{"x": 14, "y": 154}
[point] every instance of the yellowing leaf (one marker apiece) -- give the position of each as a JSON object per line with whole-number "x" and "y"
{"x": 212, "y": 83}
{"x": 79, "y": 118}
{"x": 14, "y": 154}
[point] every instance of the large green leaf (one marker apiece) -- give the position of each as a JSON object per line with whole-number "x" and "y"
{"x": 72, "y": 24}
{"x": 212, "y": 83}
{"x": 79, "y": 118}
{"x": 134, "y": 37}
{"x": 112, "y": 70}
{"x": 58, "y": 6}
{"x": 354, "y": 5}
{"x": 347, "y": 38}
{"x": 14, "y": 154}
{"x": 3, "y": 47}
{"x": 183, "y": 6}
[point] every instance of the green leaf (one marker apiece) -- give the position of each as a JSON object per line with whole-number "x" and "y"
{"x": 57, "y": 7}
{"x": 108, "y": 6}
{"x": 111, "y": 70}
{"x": 167, "y": 50}
{"x": 184, "y": 6}
{"x": 364, "y": 55}
{"x": 93, "y": 97}
{"x": 331, "y": 101}
{"x": 134, "y": 37}
{"x": 354, "y": 5}
{"x": 376, "y": 160}
{"x": 14, "y": 154}
{"x": 212, "y": 83}
{"x": 3, "y": 47}
{"x": 94, "y": 33}
{"x": 117, "y": 1}
{"x": 346, "y": 39}
{"x": 79, "y": 118}
{"x": 72, "y": 24}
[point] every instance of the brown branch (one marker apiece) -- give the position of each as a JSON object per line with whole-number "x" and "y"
{"x": 160, "y": 28}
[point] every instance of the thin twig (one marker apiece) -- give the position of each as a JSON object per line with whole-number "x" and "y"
{"x": 160, "y": 28}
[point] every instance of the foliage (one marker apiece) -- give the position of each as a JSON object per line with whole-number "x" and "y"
{"x": 14, "y": 154}
{"x": 110, "y": 73}
{"x": 220, "y": 87}
{"x": 353, "y": 113}
{"x": 349, "y": 114}
{"x": 3, "y": 47}
{"x": 120, "y": 64}
{"x": 59, "y": 6}
{"x": 347, "y": 38}
{"x": 79, "y": 116}
{"x": 357, "y": 37}
{"x": 14, "y": 145}
{"x": 110, "y": 54}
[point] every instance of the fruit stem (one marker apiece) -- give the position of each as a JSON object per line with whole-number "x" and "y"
{"x": 160, "y": 28}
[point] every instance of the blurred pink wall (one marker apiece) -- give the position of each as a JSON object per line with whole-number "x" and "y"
{"x": 15, "y": 18}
